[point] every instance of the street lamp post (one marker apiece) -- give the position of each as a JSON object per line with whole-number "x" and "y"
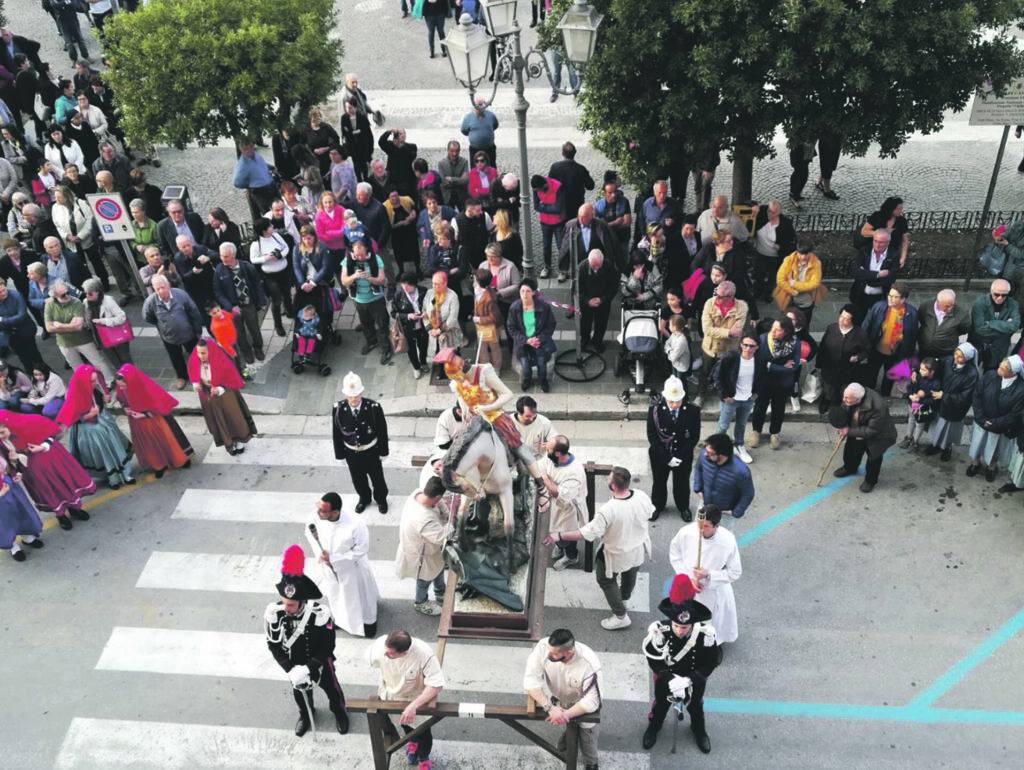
{"x": 469, "y": 47}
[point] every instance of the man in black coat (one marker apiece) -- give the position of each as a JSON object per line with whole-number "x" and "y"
{"x": 863, "y": 419}
{"x": 196, "y": 264}
{"x": 574, "y": 177}
{"x": 360, "y": 434}
{"x": 877, "y": 267}
{"x": 400, "y": 154}
{"x": 179, "y": 222}
{"x": 12, "y": 45}
{"x": 42, "y": 227}
{"x": 238, "y": 289}
{"x": 673, "y": 429}
{"x": 599, "y": 283}
{"x": 589, "y": 232}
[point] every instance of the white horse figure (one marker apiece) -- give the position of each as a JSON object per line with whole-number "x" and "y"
{"x": 477, "y": 465}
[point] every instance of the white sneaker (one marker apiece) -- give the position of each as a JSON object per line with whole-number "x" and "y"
{"x": 743, "y": 454}
{"x": 417, "y": 373}
{"x": 794, "y": 403}
{"x": 614, "y": 623}
{"x": 428, "y": 608}
{"x": 564, "y": 563}
{"x": 556, "y": 553}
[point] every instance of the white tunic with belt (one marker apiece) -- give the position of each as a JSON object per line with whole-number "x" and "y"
{"x": 352, "y": 595}
{"x": 720, "y": 556}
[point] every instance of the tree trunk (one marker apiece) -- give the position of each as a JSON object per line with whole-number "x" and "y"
{"x": 742, "y": 175}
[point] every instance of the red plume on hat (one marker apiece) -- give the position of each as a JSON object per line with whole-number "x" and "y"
{"x": 682, "y": 589}
{"x": 294, "y": 561}
{"x": 294, "y": 583}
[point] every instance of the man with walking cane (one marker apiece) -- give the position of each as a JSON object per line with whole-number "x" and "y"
{"x": 864, "y": 420}
{"x": 300, "y": 635}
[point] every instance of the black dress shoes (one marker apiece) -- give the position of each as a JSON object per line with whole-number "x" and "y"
{"x": 382, "y": 507}
{"x": 650, "y": 736}
{"x": 841, "y": 472}
{"x": 687, "y": 514}
{"x": 703, "y": 742}
{"x": 360, "y": 506}
{"x": 302, "y": 726}
{"x": 78, "y": 513}
{"x": 656, "y": 514}
{"x": 341, "y": 722}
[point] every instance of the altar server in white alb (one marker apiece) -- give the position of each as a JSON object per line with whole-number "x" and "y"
{"x": 720, "y": 567}
{"x": 341, "y": 543}
{"x": 564, "y": 678}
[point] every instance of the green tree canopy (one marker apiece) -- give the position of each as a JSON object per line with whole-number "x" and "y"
{"x": 672, "y": 80}
{"x": 197, "y": 71}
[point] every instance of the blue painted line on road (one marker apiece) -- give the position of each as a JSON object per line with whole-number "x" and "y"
{"x": 916, "y": 714}
{"x": 970, "y": 661}
{"x": 798, "y": 507}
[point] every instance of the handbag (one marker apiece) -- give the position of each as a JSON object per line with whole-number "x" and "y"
{"x": 417, "y": 9}
{"x": 993, "y": 259}
{"x": 811, "y": 387}
{"x": 487, "y": 333}
{"x": 397, "y": 338}
{"x": 114, "y": 335}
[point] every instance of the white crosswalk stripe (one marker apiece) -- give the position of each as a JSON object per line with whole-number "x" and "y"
{"x": 248, "y": 573}
{"x": 313, "y": 452}
{"x": 107, "y": 743}
{"x": 245, "y": 656}
{"x": 240, "y": 505}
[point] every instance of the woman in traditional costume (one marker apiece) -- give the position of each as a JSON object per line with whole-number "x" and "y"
{"x": 217, "y": 382}
{"x": 158, "y": 440}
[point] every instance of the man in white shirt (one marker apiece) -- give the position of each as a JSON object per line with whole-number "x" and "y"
{"x": 719, "y": 568}
{"x": 341, "y": 542}
{"x": 449, "y": 425}
{"x": 621, "y": 523}
{"x": 408, "y": 671}
{"x": 564, "y": 678}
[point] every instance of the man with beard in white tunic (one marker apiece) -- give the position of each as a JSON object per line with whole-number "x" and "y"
{"x": 564, "y": 678}
{"x": 720, "y": 568}
{"x": 565, "y": 480}
{"x": 342, "y": 544}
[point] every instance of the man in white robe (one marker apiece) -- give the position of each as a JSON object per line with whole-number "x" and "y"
{"x": 535, "y": 428}
{"x": 341, "y": 542}
{"x": 719, "y": 568}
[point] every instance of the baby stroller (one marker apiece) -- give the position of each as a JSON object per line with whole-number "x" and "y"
{"x": 641, "y": 346}
{"x": 309, "y": 350}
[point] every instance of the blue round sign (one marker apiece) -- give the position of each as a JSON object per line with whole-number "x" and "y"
{"x": 109, "y": 209}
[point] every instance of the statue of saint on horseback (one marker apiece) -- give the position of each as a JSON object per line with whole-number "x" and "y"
{"x": 480, "y": 463}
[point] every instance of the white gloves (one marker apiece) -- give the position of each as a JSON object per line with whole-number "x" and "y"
{"x": 299, "y": 676}
{"x": 681, "y": 687}
{"x": 675, "y": 462}
{"x": 219, "y": 390}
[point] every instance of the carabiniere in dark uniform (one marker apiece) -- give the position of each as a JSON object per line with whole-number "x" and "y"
{"x": 361, "y": 440}
{"x": 300, "y": 635}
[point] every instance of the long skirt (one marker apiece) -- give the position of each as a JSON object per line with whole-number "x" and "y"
{"x": 159, "y": 442}
{"x": 989, "y": 447}
{"x": 1017, "y": 468}
{"x": 228, "y": 418}
{"x": 944, "y": 433}
{"x": 56, "y": 481}
{"x": 17, "y": 516}
{"x": 101, "y": 447}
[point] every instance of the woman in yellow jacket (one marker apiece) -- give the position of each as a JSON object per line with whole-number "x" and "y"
{"x": 798, "y": 282}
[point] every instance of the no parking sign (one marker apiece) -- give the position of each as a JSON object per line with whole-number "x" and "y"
{"x": 114, "y": 221}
